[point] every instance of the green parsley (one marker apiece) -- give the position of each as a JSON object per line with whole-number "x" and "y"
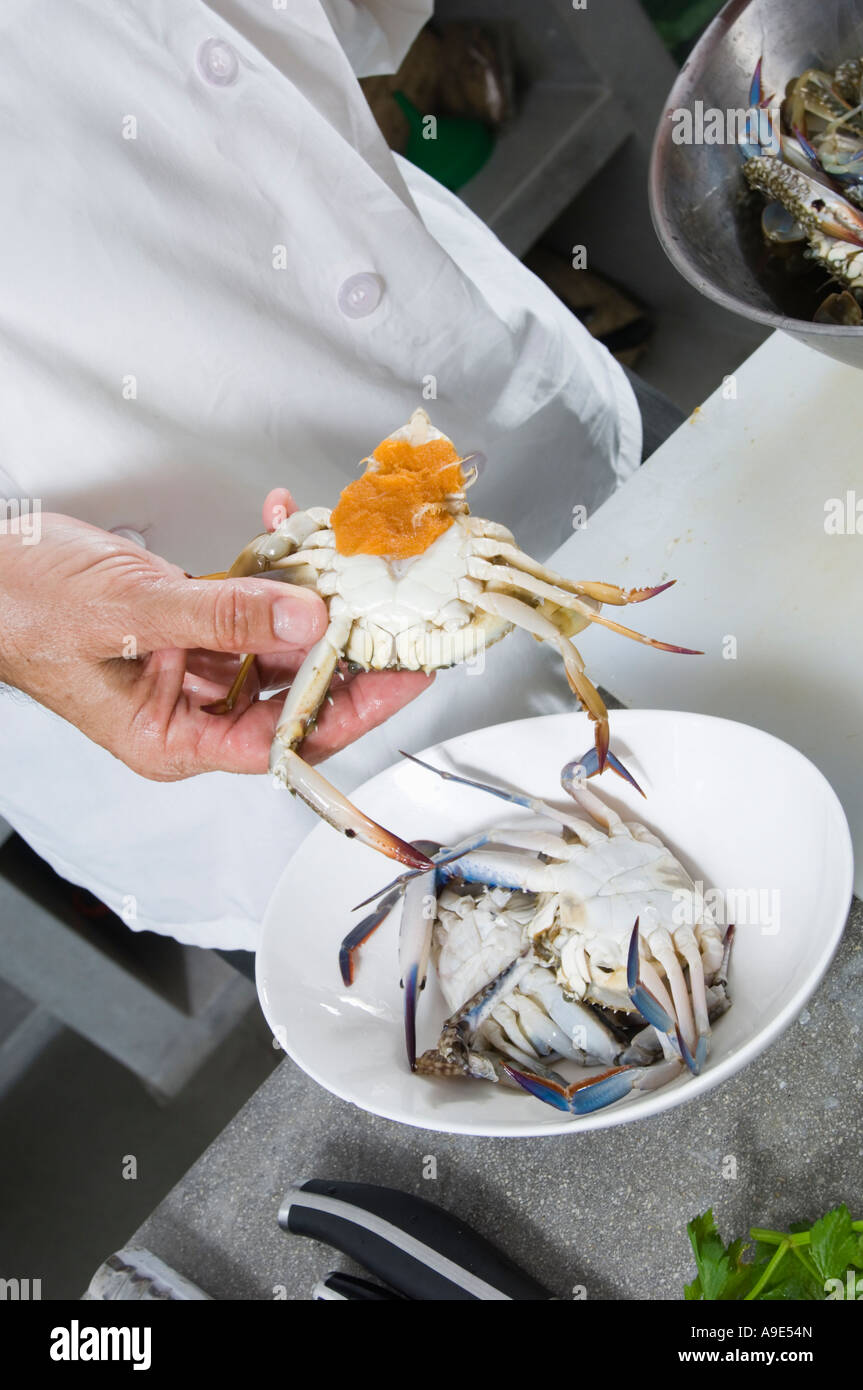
{"x": 814, "y": 1262}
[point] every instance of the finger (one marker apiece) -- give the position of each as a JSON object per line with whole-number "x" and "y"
{"x": 278, "y": 504}
{"x": 240, "y": 741}
{"x": 367, "y": 701}
{"x": 220, "y": 669}
{"x": 276, "y": 672}
{"x": 236, "y": 742}
{"x": 229, "y": 615}
{"x": 202, "y": 692}
{"x": 157, "y": 689}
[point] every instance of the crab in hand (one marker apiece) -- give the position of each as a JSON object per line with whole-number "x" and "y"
{"x": 413, "y": 581}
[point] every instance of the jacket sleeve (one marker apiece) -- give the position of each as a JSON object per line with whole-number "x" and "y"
{"x": 376, "y": 34}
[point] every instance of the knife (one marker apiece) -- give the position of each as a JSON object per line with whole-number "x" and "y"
{"x": 406, "y": 1241}
{"x": 339, "y": 1287}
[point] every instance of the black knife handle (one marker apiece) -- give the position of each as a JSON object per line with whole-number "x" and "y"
{"x": 350, "y": 1288}
{"x": 411, "y": 1244}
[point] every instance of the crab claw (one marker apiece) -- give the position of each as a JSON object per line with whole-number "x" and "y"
{"x": 756, "y": 87}
{"x": 656, "y": 1014}
{"x": 290, "y": 771}
{"x": 589, "y": 763}
{"x": 647, "y": 1005}
{"x": 816, "y": 207}
{"x": 614, "y": 594}
{"x": 580, "y": 1097}
{"x": 694, "y": 1061}
{"x": 753, "y": 143}
{"x": 809, "y": 150}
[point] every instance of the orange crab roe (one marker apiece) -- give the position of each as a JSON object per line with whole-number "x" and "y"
{"x": 398, "y": 507}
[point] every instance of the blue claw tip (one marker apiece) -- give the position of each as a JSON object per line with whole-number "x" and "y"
{"x": 595, "y": 1095}
{"x": 756, "y": 90}
{"x": 809, "y": 150}
{"x": 691, "y": 1062}
{"x": 632, "y": 959}
{"x": 584, "y": 1096}
{"x": 543, "y": 1090}
{"x": 589, "y": 761}
{"x": 357, "y": 936}
{"x": 651, "y": 1010}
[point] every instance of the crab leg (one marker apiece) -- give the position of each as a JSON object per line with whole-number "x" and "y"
{"x": 227, "y": 704}
{"x": 685, "y": 939}
{"x": 489, "y": 548}
{"x": 818, "y": 210}
{"x": 583, "y": 1097}
{"x": 531, "y": 803}
{"x": 441, "y": 858}
{"x": 387, "y": 900}
{"x": 266, "y": 552}
{"x": 453, "y": 1054}
{"x": 589, "y": 764}
{"x": 664, "y": 952}
{"x": 520, "y": 579}
{"x": 335, "y": 808}
{"x": 653, "y": 1002}
{"x": 360, "y": 934}
{"x": 676, "y": 1023}
{"x": 289, "y": 770}
{"x": 573, "y": 785}
{"x": 522, "y": 615}
{"x": 415, "y": 939}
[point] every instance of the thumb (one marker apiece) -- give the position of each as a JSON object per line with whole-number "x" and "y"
{"x": 230, "y": 615}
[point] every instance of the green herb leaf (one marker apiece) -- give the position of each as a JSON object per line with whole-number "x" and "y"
{"x": 722, "y": 1275}
{"x": 792, "y": 1266}
{"x": 834, "y": 1245}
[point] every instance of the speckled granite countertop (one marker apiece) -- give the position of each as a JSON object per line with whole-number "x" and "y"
{"x": 606, "y": 1210}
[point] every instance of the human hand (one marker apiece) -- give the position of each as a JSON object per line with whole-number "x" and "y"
{"x": 126, "y": 647}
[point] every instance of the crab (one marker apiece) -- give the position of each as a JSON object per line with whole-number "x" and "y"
{"x": 413, "y": 581}
{"x": 814, "y": 185}
{"x": 577, "y": 938}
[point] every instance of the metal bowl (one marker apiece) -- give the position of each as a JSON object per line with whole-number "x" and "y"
{"x": 697, "y": 192}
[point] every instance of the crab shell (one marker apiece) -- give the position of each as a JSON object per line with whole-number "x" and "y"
{"x": 416, "y": 614}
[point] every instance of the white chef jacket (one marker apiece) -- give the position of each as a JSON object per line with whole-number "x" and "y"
{"x": 216, "y": 279}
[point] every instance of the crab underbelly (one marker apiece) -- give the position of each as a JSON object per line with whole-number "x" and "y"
{"x": 406, "y": 613}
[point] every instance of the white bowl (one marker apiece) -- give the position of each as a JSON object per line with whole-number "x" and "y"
{"x": 744, "y": 812}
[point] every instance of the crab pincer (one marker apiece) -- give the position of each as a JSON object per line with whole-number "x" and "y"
{"x": 597, "y": 1092}
{"x": 579, "y": 1097}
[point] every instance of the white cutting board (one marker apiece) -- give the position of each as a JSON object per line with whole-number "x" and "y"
{"x": 733, "y": 507}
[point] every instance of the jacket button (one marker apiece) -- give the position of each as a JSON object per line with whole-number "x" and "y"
{"x": 128, "y": 534}
{"x": 218, "y": 63}
{"x": 361, "y": 294}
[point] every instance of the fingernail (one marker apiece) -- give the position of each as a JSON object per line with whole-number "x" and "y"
{"x": 298, "y": 620}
